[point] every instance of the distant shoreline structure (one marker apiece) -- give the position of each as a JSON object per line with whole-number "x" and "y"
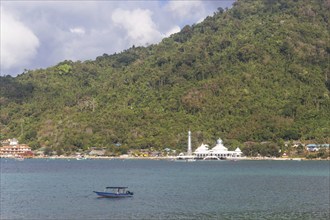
{"x": 203, "y": 152}
{"x": 169, "y": 158}
{"x": 11, "y": 149}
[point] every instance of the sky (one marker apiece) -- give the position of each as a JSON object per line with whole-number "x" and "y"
{"x": 40, "y": 34}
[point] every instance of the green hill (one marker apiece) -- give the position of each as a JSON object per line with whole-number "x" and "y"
{"x": 256, "y": 72}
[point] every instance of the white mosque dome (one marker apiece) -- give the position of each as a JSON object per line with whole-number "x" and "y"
{"x": 219, "y": 146}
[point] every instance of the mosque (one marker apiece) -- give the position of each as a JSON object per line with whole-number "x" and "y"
{"x": 204, "y": 152}
{"x": 216, "y": 153}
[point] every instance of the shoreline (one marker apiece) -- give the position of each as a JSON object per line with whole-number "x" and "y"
{"x": 170, "y": 158}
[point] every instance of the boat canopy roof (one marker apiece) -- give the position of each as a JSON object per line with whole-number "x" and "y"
{"x": 116, "y": 187}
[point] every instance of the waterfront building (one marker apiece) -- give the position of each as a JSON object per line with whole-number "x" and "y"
{"x": 219, "y": 151}
{"x": 203, "y": 152}
{"x": 317, "y": 147}
{"x": 14, "y": 149}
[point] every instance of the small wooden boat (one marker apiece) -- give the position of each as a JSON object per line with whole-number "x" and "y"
{"x": 114, "y": 192}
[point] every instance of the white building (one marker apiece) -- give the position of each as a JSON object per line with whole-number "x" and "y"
{"x": 13, "y": 142}
{"x": 218, "y": 152}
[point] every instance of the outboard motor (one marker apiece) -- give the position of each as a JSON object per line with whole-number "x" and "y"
{"x": 130, "y": 193}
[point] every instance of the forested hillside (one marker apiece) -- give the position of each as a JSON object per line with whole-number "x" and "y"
{"x": 256, "y": 72}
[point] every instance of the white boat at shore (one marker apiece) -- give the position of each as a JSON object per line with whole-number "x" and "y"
{"x": 81, "y": 158}
{"x": 296, "y": 159}
{"x": 185, "y": 158}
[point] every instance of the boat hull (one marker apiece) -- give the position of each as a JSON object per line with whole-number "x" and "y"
{"x": 113, "y": 195}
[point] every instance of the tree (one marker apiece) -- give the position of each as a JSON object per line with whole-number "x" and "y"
{"x": 64, "y": 69}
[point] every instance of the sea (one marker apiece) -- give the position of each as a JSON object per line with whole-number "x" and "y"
{"x": 165, "y": 189}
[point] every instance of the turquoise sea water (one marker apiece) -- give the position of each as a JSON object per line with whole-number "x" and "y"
{"x": 62, "y": 189}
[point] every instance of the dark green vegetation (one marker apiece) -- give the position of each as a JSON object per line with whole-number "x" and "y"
{"x": 257, "y": 72}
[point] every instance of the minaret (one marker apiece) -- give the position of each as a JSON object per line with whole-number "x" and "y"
{"x": 189, "y": 144}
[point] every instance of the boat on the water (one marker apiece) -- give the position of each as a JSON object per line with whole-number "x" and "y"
{"x": 114, "y": 192}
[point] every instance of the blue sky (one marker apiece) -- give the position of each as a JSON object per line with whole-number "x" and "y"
{"x": 39, "y": 34}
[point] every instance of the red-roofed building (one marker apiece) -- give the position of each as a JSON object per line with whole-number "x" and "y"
{"x": 15, "y": 150}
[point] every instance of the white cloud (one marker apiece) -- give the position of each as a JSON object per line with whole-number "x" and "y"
{"x": 174, "y": 30}
{"x": 18, "y": 43}
{"x": 77, "y": 30}
{"x": 88, "y": 46}
{"x": 84, "y": 30}
{"x": 185, "y": 8}
{"x": 138, "y": 24}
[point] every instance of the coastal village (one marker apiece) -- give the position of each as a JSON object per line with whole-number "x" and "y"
{"x": 11, "y": 148}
